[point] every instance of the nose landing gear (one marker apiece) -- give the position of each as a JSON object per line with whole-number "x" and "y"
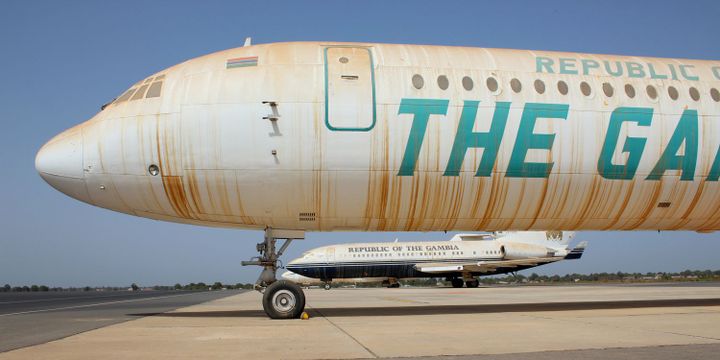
{"x": 281, "y": 299}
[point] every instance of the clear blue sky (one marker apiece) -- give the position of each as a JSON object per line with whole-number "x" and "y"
{"x": 60, "y": 60}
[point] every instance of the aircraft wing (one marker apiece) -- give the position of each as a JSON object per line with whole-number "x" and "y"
{"x": 484, "y": 266}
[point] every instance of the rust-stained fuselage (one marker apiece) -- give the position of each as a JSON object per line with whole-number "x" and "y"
{"x": 378, "y": 137}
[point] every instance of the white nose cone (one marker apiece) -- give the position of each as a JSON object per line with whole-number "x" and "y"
{"x": 60, "y": 163}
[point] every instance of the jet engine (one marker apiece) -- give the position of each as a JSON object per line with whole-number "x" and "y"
{"x": 511, "y": 251}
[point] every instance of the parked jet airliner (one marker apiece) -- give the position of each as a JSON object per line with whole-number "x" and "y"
{"x": 326, "y": 136}
{"x": 459, "y": 260}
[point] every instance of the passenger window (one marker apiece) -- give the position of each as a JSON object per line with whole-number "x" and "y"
{"x": 715, "y": 94}
{"x": 651, "y": 92}
{"x": 443, "y": 82}
{"x": 694, "y": 94}
{"x": 516, "y": 85}
{"x": 417, "y": 81}
{"x": 608, "y": 89}
{"x": 492, "y": 84}
{"x": 539, "y": 86}
{"x": 562, "y": 87}
{"x": 467, "y": 83}
{"x": 673, "y": 93}
{"x": 629, "y": 91}
{"x": 585, "y": 88}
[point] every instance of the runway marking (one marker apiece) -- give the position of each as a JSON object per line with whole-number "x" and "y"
{"x": 91, "y": 305}
{"x": 63, "y": 298}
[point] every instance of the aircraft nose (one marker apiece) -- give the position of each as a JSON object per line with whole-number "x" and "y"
{"x": 60, "y": 163}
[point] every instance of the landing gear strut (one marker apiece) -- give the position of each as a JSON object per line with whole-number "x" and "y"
{"x": 281, "y": 299}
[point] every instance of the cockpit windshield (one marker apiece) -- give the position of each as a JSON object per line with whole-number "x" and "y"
{"x": 148, "y": 88}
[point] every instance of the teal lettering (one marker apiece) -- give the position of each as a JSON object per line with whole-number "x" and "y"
{"x": 618, "y": 68}
{"x": 588, "y": 64}
{"x": 634, "y": 146}
{"x": 653, "y": 74}
{"x": 715, "y": 168}
{"x": 673, "y": 73}
{"x": 635, "y": 70}
{"x": 567, "y": 66}
{"x": 421, "y": 109}
{"x": 716, "y": 72}
{"x": 686, "y": 132}
{"x": 544, "y": 63}
{"x": 466, "y": 138}
{"x": 527, "y": 140}
{"x": 686, "y": 74}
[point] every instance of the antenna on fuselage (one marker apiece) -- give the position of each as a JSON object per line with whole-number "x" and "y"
{"x": 248, "y": 41}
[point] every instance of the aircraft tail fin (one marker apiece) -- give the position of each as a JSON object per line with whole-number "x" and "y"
{"x": 577, "y": 251}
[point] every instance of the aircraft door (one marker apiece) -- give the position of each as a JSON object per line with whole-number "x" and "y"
{"x": 330, "y": 254}
{"x": 349, "y": 89}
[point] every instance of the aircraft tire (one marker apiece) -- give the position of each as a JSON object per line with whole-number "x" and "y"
{"x": 283, "y": 300}
{"x": 327, "y": 286}
{"x": 472, "y": 283}
{"x": 456, "y": 283}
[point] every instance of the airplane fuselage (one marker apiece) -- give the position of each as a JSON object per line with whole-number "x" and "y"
{"x": 378, "y": 137}
{"x": 450, "y": 259}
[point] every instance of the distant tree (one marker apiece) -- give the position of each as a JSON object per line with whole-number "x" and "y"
{"x": 34, "y": 288}
{"x": 44, "y": 288}
{"x": 217, "y": 285}
{"x": 178, "y": 287}
{"x": 26, "y": 288}
{"x": 6, "y": 288}
{"x": 87, "y": 288}
{"x": 134, "y": 287}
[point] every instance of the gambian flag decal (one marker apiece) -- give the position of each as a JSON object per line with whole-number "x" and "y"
{"x": 241, "y": 62}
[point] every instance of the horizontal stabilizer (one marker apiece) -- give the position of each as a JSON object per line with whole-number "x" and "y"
{"x": 576, "y": 252}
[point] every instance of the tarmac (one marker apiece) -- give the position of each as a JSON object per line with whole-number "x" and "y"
{"x": 33, "y": 318}
{"x": 509, "y": 322}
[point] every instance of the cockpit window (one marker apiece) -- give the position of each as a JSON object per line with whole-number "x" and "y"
{"x": 154, "y": 90}
{"x": 126, "y": 95}
{"x": 148, "y": 88}
{"x": 140, "y": 93}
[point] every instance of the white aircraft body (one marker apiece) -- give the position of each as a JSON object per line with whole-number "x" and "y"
{"x": 325, "y": 136}
{"x": 308, "y": 281}
{"x": 459, "y": 260}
